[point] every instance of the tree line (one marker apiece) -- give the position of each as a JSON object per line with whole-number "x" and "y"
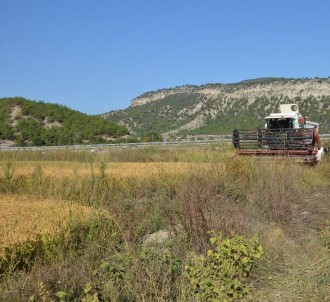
{"x": 38, "y": 123}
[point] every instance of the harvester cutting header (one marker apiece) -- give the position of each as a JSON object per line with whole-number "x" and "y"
{"x": 287, "y": 133}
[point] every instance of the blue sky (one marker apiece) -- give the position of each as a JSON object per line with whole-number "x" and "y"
{"x": 96, "y": 56}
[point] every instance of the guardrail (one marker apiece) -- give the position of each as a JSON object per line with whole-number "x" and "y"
{"x": 103, "y": 146}
{"x": 123, "y": 145}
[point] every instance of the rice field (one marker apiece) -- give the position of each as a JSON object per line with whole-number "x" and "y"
{"x": 24, "y": 219}
{"x": 76, "y": 223}
{"x": 121, "y": 169}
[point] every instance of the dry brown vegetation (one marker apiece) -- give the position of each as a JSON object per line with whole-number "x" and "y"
{"x": 183, "y": 192}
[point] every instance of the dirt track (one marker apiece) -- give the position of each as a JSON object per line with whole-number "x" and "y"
{"x": 301, "y": 263}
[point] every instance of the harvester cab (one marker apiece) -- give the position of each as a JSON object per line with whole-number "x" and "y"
{"x": 286, "y": 134}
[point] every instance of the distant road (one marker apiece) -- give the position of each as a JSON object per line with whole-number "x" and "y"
{"x": 126, "y": 145}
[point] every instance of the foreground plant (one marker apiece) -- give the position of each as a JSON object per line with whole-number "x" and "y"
{"x": 221, "y": 274}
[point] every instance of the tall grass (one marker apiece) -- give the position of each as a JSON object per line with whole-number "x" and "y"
{"x": 214, "y": 191}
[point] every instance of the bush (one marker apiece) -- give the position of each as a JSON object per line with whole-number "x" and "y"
{"x": 221, "y": 275}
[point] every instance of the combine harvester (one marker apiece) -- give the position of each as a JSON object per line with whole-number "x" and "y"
{"x": 287, "y": 134}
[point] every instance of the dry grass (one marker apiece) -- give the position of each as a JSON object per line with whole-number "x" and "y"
{"x": 23, "y": 219}
{"x": 296, "y": 266}
{"x": 122, "y": 169}
{"x": 237, "y": 196}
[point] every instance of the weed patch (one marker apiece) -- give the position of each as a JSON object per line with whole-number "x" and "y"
{"x": 221, "y": 274}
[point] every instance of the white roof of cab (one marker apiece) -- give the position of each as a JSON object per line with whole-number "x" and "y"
{"x": 286, "y": 111}
{"x": 280, "y": 116}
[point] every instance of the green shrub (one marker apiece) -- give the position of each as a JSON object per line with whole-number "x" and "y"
{"x": 221, "y": 275}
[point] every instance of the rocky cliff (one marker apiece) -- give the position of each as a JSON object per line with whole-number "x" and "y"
{"x": 250, "y": 89}
{"x": 218, "y": 108}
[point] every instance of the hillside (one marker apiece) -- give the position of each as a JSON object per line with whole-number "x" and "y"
{"x": 26, "y": 122}
{"x": 219, "y": 108}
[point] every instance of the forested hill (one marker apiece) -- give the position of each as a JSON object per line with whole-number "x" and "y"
{"x": 30, "y": 123}
{"x": 219, "y": 108}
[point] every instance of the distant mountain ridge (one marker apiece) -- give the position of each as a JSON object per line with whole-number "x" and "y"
{"x": 219, "y": 108}
{"x": 270, "y": 87}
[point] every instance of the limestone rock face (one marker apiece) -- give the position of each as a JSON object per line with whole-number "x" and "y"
{"x": 246, "y": 89}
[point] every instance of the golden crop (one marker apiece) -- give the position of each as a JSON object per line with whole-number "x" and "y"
{"x": 24, "y": 219}
{"x": 122, "y": 169}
